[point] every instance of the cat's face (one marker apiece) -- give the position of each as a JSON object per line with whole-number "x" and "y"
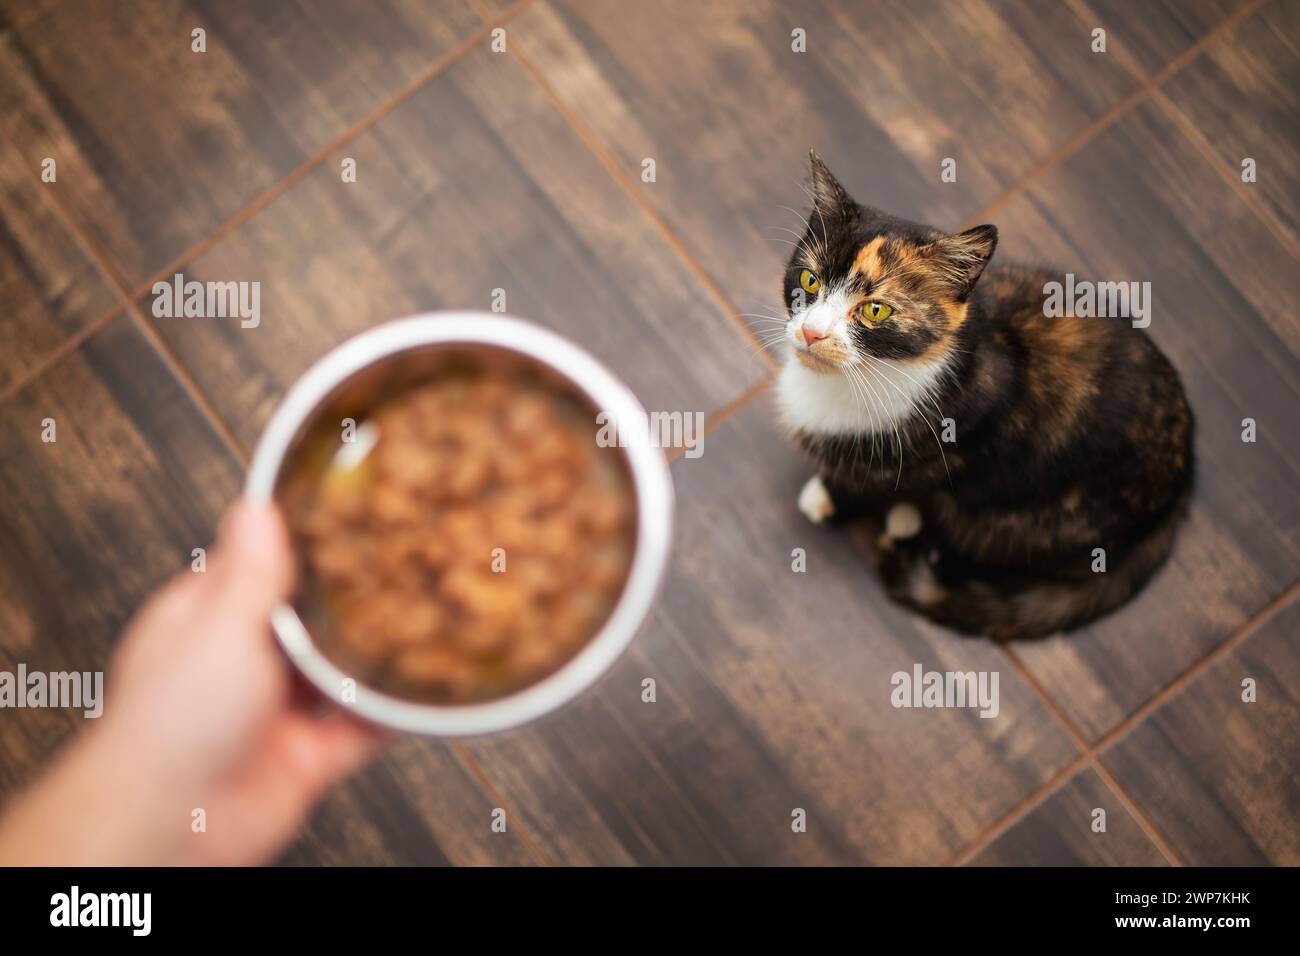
{"x": 864, "y": 286}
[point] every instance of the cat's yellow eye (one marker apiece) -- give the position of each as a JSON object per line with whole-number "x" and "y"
{"x": 873, "y": 312}
{"x": 809, "y": 282}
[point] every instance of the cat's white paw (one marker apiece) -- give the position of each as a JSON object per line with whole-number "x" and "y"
{"x": 903, "y": 521}
{"x": 815, "y": 500}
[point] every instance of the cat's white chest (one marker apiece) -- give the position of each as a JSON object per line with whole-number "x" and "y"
{"x": 876, "y": 397}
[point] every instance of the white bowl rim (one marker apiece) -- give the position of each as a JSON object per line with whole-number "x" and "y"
{"x": 652, "y": 488}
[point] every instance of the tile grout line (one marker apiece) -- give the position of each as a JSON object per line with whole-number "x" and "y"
{"x": 62, "y": 350}
{"x": 470, "y": 762}
{"x": 661, "y": 771}
{"x": 738, "y": 403}
{"x": 1088, "y": 757}
{"x": 1143, "y": 820}
{"x": 275, "y": 190}
{"x": 1051, "y": 160}
{"x": 256, "y": 205}
{"x": 1072, "y": 145}
{"x": 91, "y": 249}
{"x": 1089, "y": 753}
{"x": 1149, "y": 86}
{"x": 1093, "y": 753}
{"x": 1234, "y": 640}
{"x": 1022, "y": 809}
{"x": 1053, "y": 708}
{"x": 668, "y": 234}
{"x": 1198, "y": 140}
{"x": 188, "y": 382}
{"x": 1202, "y": 145}
{"x": 715, "y": 420}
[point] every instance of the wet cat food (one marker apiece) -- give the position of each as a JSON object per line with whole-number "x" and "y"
{"x": 464, "y": 539}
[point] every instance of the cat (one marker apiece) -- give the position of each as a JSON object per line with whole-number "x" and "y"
{"x": 1020, "y": 475}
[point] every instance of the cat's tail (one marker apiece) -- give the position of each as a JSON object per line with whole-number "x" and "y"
{"x": 1017, "y": 606}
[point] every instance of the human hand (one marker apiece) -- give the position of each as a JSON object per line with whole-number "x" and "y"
{"x": 202, "y": 713}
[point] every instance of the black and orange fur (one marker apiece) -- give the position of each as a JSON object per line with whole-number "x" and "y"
{"x": 1072, "y": 434}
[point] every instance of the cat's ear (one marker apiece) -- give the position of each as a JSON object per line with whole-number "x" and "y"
{"x": 959, "y": 260}
{"x": 829, "y": 197}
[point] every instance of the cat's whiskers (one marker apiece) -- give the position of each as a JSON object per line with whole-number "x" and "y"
{"x": 856, "y": 448}
{"x": 925, "y": 394}
{"x": 812, "y": 199}
{"x": 857, "y": 436}
{"x": 798, "y": 237}
{"x": 818, "y": 249}
{"x": 802, "y": 217}
{"x": 876, "y": 408}
{"x": 897, "y": 435}
{"x": 924, "y": 390}
{"x": 767, "y": 322}
{"x": 826, "y": 239}
{"x": 861, "y": 391}
{"x": 770, "y": 337}
{"x": 852, "y": 374}
{"x": 766, "y": 341}
{"x": 884, "y": 436}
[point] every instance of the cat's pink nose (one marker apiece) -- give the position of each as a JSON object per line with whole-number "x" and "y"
{"x": 812, "y": 335}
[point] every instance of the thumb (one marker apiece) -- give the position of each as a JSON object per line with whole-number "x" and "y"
{"x": 254, "y": 558}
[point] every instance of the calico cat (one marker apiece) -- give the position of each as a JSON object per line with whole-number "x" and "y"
{"x": 1023, "y": 474}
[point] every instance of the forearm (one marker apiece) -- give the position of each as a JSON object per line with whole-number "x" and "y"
{"x": 96, "y": 806}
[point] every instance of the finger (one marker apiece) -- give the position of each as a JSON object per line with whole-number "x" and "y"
{"x": 254, "y": 560}
{"x": 323, "y": 749}
{"x": 174, "y": 601}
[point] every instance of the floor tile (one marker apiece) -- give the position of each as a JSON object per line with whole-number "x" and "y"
{"x": 1066, "y": 830}
{"x": 94, "y": 520}
{"x": 1154, "y": 32}
{"x": 474, "y": 184}
{"x": 51, "y": 290}
{"x": 416, "y": 806}
{"x": 773, "y": 694}
{"x": 1242, "y": 96}
{"x": 773, "y": 687}
{"x": 494, "y": 8}
{"x": 158, "y": 145}
{"x": 1140, "y": 203}
{"x": 1216, "y": 774}
{"x": 715, "y": 95}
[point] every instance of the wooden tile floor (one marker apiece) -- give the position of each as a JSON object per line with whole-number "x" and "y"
{"x": 521, "y": 170}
